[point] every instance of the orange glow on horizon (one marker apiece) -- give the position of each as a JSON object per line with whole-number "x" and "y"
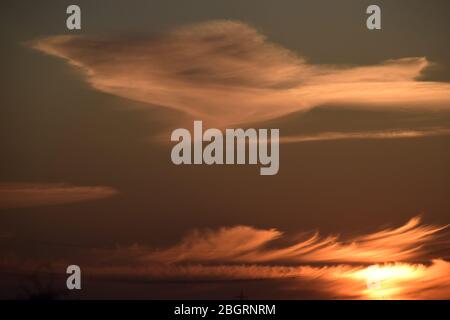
{"x": 385, "y": 281}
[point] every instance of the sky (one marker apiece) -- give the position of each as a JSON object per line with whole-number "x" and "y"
{"x": 86, "y": 176}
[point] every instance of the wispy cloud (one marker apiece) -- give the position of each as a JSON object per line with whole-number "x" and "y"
{"x": 382, "y": 134}
{"x": 378, "y": 265}
{"x": 16, "y": 195}
{"x": 226, "y": 72}
{"x": 249, "y": 245}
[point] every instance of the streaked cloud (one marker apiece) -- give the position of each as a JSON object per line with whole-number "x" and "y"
{"x": 249, "y": 245}
{"x": 226, "y": 72}
{"x": 382, "y": 281}
{"x": 226, "y": 244}
{"x": 378, "y": 265}
{"x": 16, "y": 195}
{"x": 382, "y": 134}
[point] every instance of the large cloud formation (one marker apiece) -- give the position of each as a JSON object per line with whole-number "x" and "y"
{"x": 244, "y": 244}
{"x": 392, "y": 263}
{"x": 379, "y": 265}
{"x": 226, "y": 72}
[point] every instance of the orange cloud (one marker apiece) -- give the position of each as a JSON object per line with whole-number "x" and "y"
{"x": 372, "y": 266}
{"x": 341, "y": 281}
{"x": 241, "y": 253}
{"x": 226, "y": 244}
{"x": 16, "y": 195}
{"x": 249, "y": 245}
{"x": 226, "y": 72}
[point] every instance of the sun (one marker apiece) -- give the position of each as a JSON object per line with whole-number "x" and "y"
{"x": 387, "y": 281}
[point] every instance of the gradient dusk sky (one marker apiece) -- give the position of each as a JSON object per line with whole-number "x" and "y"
{"x": 364, "y": 116}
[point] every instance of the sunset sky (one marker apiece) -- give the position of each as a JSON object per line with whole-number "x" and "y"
{"x": 360, "y": 206}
